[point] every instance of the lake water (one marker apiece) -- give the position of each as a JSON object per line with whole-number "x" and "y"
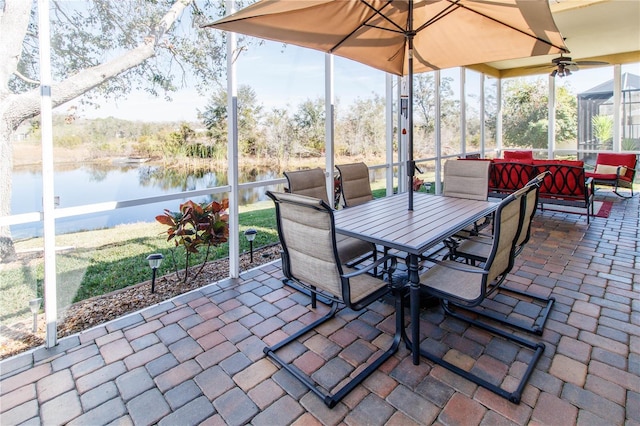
{"x": 79, "y": 185}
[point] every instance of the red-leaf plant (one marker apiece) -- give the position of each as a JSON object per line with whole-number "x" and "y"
{"x": 196, "y": 225}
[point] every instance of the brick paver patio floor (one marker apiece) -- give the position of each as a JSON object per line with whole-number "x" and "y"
{"x": 198, "y": 359}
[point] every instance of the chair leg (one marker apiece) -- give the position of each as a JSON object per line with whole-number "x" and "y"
{"x": 536, "y": 328}
{"x": 332, "y": 399}
{"x": 314, "y": 297}
{"x": 615, "y": 191}
{"x": 515, "y": 396}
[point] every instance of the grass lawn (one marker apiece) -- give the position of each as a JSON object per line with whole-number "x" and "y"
{"x": 92, "y": 263}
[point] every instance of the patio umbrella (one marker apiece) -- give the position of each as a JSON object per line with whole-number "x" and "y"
{"x": 404, "y": 37}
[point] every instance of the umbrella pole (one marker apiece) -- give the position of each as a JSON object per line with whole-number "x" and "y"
{"x": 411, "y": 165}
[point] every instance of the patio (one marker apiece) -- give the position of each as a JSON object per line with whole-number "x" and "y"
{"x": 198, "y": 358}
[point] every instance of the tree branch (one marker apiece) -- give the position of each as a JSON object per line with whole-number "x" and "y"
{"x": 27, "y": 105}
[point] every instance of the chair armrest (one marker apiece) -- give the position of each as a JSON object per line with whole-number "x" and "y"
{"x": 458, "y": 266}
{"x": 377, "y": 263}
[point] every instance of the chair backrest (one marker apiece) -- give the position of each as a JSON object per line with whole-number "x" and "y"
{"x": 615, "y": 159}
{"x": 354, "y": 183}
{"x": 466, "y": 179}
{"x": 301, "y": 220}
{"x": 311, "y": 182}
{"x": 507, "y": 225}
{"x": 530, "y": 208}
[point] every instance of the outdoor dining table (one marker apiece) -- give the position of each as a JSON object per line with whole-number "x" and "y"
{"x": 388, "y": 223}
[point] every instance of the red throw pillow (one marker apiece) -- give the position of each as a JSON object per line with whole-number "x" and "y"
{"x": 518, "y": 155}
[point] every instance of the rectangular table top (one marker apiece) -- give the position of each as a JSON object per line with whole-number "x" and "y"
{"x": 388, "y": 222}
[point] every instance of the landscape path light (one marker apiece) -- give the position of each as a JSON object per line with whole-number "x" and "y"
{"x": 34, "y": 306}
{"x": 154, "y": 263}
{"x": 250, "y": 235}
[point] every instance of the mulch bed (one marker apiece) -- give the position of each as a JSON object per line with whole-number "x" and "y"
{"x": 18, "y": 338}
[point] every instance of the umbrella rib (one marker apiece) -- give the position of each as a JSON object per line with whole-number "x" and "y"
{"x": 446, "y": 11}
{"x": 456, "y": 3}
{"x": 364, "y": 24}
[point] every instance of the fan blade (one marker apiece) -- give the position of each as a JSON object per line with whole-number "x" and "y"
{"x": 572, "y": 67}
{"x": 591, "y": 63}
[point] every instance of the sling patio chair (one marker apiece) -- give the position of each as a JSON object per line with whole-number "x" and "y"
{"x": 310, "y": 257}
{"x": 354, "y": 184}
{"x": 467, "y": 179}
{"x": 460, "y": 284}
{"x": 478, "y": 249}
{"x": 312, "y": 183}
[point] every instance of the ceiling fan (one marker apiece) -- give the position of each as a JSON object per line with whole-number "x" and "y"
{"x": 564, "y": 65}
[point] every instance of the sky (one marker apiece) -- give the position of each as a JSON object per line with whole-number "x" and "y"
{"x": 286, "y": 76}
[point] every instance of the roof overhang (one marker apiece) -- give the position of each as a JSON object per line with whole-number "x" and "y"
{"x": 594, "y": 30}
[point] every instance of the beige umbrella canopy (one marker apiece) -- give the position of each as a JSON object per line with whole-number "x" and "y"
{"x": 404, "y": 37}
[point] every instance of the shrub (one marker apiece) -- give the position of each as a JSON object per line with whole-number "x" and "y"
{"x": 194, "y": 226}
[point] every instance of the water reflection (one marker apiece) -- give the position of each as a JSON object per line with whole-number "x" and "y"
{"x": 89, "y": 184}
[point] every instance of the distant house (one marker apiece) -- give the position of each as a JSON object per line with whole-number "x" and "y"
{"x": 599, "y": 101}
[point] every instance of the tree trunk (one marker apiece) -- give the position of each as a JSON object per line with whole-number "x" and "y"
{"x": 17, "y": 108}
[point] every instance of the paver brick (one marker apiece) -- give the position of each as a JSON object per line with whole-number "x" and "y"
{"x": 517, "y": 413}
{"x": 17, "y": 397}
{"x": 611, "y": 391}
{"x": 142, "y": 330}
{"x": 100, "y": 376}
{"x": 55, "y": 384}
{"x": 235, "y": 363}
{"x": 29, "y": 376}
{"x": 161, "y": 364}
{"x": 574, "y": 349}
{"x": 133, "y": 383}
{"x": 190, "y": 414}
{"x": 569, "y": 370}
{"x": 284, "y": 411}
{"x": 176, "y": 375}
{"x": 435, "y": 391}
{"x": 181, "y": 394}
{"x": 265, "y": 393}
{"x": 550, "y": 409}
{"x": 61, "y": 409}
{"x": 411, "y": 404}
{"x": 145, "y": 356}
{"x": 206, "y": 327}
{"x": 176, "y": 315}
{"x": 235, "y": 407}
{"x": 626, "y": 380}
{"x": 97, "y": 396}
{"x": 254, "y": 374}
{"x": 171, "y": 333}
{"x": 74, "y": 357}
{"x": 596, "y": 404}
{"x": 116, "y": 350}
{"x": 102, "y": 414}
{"x": 214, "y": 382}
{"x": 20, "y": 413}
{"x": 185, "y": 349}
{"x": 235, "y": 332}
{"x": 148, "y": 408}
{"x": 216, "y": 354}
{"x": 462, "y": 410}
{"x": 87, "y": 366}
